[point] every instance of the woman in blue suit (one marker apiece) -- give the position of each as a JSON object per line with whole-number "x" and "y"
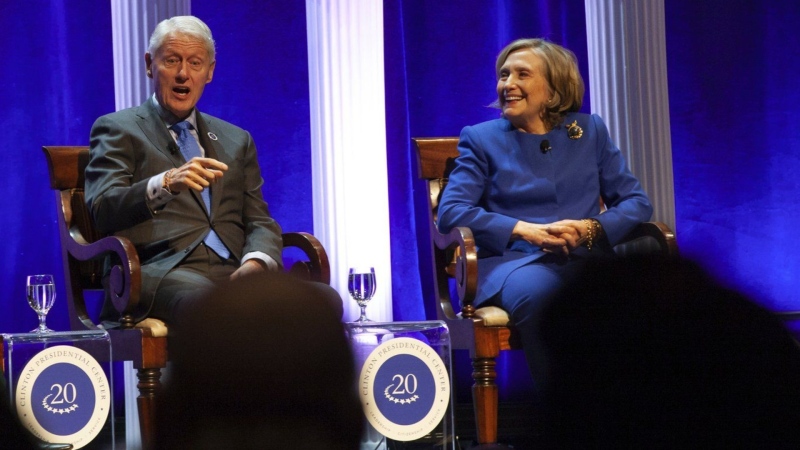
{"x": 529, "y": 184}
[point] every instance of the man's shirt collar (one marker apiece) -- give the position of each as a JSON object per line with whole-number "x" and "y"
{"x": 171, "y": 119}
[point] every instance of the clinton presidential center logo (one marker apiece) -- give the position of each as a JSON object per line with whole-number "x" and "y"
{"x": 404, "y": 388}
{"x": 63, "y": 395}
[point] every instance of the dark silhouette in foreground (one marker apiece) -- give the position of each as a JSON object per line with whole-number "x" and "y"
{"x": 665, "y": 357}
{"x": 262, "y": 363}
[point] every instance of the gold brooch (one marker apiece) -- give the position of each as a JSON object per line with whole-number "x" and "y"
{"x": 574, "y": 131}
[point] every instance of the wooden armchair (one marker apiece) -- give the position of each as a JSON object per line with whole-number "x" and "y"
{"x": 84, "y": 250}
{"x": 486, "y": 331}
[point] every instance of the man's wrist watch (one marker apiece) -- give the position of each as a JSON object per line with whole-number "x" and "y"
{"x": 167, "y": 181}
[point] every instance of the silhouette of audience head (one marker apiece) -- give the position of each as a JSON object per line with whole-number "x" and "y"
{"x": 12, "y": 434}
{"x": 261, "y": 363}
{"x": 649, "y": 353}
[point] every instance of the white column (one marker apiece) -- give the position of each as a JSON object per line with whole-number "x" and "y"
{"x": 348, "y": 143}
{"x": 628, "y": 88}
{"x": 132, "y": 23}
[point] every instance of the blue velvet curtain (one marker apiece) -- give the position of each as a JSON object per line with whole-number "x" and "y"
{"x": 734, "y": 108}
{"x": 58, "y": 79}
{"x": 261, "y": 84}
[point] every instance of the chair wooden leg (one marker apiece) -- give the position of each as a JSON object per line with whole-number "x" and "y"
{"x": 485, "y": 399}
{"x": 149, "y": 384}
{"x": 484, "y": 375}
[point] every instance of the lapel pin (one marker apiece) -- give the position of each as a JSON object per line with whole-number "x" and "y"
{"x": 212, "y": 136}
{"x": 574, "y": 131}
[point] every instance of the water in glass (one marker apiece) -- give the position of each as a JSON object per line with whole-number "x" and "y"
{"x": 41, "y": 293}
{"x": 361, "y": 285}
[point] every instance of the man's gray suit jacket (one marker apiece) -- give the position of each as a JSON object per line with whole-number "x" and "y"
{"x": 128, "y": 147}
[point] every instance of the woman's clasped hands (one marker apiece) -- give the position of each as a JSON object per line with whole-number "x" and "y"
{"x": 560, "y": 237}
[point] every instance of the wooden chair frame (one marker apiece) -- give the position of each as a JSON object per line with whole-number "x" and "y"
{"x": 84, "y": 251}
{"x": 485, "y": 331}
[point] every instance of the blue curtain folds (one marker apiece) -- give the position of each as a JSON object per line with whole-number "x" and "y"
{"x": 59, "y": 78}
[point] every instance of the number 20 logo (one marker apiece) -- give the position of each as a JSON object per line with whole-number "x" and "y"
{"x": 405, "y": 385}
{"x": 66, "y": 394}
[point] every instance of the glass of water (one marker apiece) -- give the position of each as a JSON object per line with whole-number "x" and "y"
{"x": 41, "y": 292}
{"x": 361, "y": 285}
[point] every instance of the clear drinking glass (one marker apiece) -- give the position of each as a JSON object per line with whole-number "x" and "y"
{"x": 361, "y": 285}
{"x": 41, "y": 292}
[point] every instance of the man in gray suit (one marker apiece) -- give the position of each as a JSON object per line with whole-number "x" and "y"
{"x": 151, "y": 173}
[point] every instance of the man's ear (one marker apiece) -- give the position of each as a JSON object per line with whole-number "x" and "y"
{"x": 211, "y": 72}
{"x": 148, "y": 61}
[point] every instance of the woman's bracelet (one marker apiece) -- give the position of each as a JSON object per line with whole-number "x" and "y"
{"x": 594, "y": 231}
{"x": 590, "y": 233}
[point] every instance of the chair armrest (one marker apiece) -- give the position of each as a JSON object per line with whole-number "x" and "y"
{"x": 635, "y": 241}
{"x": 124, "y": 282}
{"x": 317, "y": 268}
{"x": 456, "y": 257}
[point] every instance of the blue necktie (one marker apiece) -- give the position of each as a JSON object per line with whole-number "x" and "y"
{"x": 190, "y": 149}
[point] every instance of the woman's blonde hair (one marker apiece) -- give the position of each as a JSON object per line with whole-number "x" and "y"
{"x": 560, "y": 71}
